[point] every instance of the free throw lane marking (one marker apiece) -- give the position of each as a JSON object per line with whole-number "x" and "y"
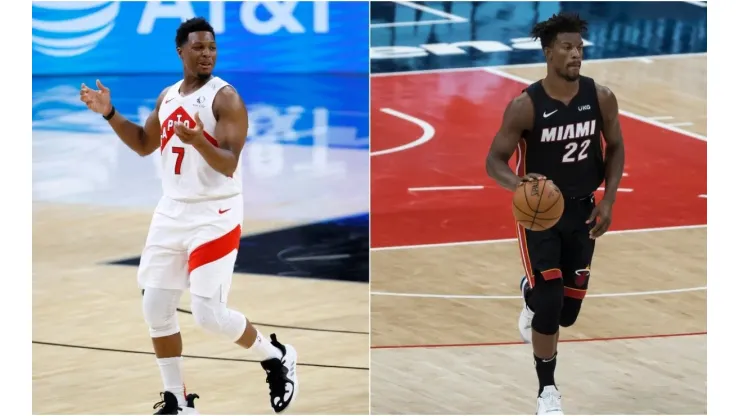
{"x": 427, "y": 132}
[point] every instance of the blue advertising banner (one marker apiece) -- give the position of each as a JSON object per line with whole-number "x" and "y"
{"x": 294, "y": 109}
{"x": 139, "y": 37}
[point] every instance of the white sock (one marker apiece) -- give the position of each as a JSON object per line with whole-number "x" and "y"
{"x": 263, "y": 349}
{"x": 171, "y": 370}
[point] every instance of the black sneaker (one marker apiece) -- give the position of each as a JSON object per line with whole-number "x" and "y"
{"x": 282, "y": 376}
{"x": 169, "y": 406}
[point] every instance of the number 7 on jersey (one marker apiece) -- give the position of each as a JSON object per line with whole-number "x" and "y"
{"x": 180, "y": 152}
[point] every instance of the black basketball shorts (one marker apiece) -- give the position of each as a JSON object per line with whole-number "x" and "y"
{"x": 564, "y": 251}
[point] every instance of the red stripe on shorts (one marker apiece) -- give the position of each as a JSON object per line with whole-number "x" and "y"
{"x": 552, "y": 274}
{"x": 524, "y": 251}
{"x": 215, "y": 249}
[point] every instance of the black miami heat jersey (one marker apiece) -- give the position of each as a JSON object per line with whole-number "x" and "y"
{"x": 565, "y": 141}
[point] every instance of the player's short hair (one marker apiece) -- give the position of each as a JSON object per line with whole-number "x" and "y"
{"x": 549, "y": 29}
{"x": 196, "y": 24}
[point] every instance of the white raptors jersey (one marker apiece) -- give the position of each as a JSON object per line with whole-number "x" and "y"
{"x": 186, "y": 175}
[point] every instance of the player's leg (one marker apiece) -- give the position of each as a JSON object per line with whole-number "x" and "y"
{"x": 162, "y": 275}
{"x": 211, "y": 265}
{"x": 577, "y": 254}
{"x": 543, "y": 292}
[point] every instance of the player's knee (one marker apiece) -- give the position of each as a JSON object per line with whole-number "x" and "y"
{"x": 571, "y": 309}
{"x": 213, "y": 316}
{"x": 207, "y": 313}
{"x": 160, "y": 311}
{"x": 547, "y": 302}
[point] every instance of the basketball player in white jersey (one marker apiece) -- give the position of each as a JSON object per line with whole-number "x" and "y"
{"x": 199, "y": 126}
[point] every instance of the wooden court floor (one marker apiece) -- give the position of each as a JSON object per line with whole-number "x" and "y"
{"x": 638, "y": 353}
{"x": 92, "y": 354}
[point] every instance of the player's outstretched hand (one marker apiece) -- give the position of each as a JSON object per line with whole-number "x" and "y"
{"x": 189, "y": 135}
{"x": 97, "y": 101}
{"x": 602, "y": 211}
{"x": 530, "y": 177}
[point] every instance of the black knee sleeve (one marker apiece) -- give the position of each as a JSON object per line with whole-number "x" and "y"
{"x": 546, "y": 300}
{"x": 571, "y": 309}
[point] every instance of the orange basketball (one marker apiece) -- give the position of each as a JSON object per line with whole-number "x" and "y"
{"x": 538, "y": 205}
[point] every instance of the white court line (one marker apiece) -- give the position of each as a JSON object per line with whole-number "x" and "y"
{"x": 618, "y": 189}
{"x": 452, "y": 17}
{"x": 419, "y": 23}
{"x": 681, "y": 124}
{"x": 703, "y": 196}
{"x": 509, "y": 240}
{"x": 447, "y": 188}
{"x": 489, "y": 297}
{"x": 661, "y": 118}
{"x": 476, "y": 187}
{"x": 645, "y": 120}
{"x": 535, "y": 64}
{"x": 697, "y": 3}
{"x": 428, "y": 132}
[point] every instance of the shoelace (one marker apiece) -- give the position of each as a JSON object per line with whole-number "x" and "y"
{"x": 276, "y": 381}
{"x": 162, "y": 404}
{"x": 159, "y": 403}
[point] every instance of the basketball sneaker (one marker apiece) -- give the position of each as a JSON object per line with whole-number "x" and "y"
{"x": 526, "y": 316}
{"x": 169, "y": 406}
{"x": 548, "y": 402}
{"x": 282, "y": 376}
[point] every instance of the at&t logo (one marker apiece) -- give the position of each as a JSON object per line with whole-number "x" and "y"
{"x": 64, "y": 29}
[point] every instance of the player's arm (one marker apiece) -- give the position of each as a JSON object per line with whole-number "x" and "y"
{"x": 232, "y": 125}
{"x": 614, "y": 157}
{"x": 518, "y": 117}
{"x": 142, "y": 140}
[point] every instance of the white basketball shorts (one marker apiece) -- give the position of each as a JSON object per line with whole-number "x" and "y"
{"x": 193, "y": 245}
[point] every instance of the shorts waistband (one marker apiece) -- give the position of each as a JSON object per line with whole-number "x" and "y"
{"x": 197, "y": 201}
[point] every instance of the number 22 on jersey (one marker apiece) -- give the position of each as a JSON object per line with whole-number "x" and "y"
{"x": 572, "y": 147}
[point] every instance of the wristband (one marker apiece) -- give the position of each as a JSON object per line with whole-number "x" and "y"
{"x": 111, "y": 114}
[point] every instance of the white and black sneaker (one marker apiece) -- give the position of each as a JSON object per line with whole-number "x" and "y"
{"x": 282, "y": 376}
{"x": 526, "y": 316}
{"x": 169, "y": 406}
{"x": 549, "y": 402}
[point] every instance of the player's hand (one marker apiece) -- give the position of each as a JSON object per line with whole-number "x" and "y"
{"x": 602, "y": 211}
{"x": 530, "y": 177}
{"x": 97, "y": 101}
{"x": 189, "y": 135}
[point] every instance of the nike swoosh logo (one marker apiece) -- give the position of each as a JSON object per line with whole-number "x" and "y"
{"x": 546, "y": 115}
{"x": 221, "y": 211}
{"x": 168, "y": 100}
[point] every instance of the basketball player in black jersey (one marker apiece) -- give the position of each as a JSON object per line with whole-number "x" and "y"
{"x": 556, "y": 126}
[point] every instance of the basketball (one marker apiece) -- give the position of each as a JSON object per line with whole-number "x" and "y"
{"x": 538, "y": 205}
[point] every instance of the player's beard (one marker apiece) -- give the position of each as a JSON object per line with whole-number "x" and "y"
{"x": 570, "y": 78}
{"x": 203, "y": 75}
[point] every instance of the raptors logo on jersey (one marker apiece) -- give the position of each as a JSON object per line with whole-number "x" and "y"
{"x": 186, "y": 175}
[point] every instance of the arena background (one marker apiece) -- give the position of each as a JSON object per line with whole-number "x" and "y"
{"x": 302, "y": 271}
